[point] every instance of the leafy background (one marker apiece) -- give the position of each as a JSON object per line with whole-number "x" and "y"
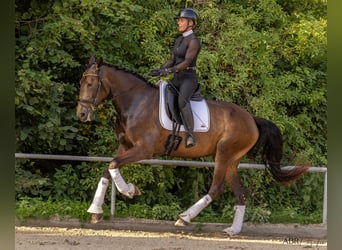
{"x": 268, "y": 56}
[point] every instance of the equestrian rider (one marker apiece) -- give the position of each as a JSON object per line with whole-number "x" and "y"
{"x": 183, "y": 64}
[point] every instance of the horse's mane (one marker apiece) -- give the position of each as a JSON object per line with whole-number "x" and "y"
{"x": 131, "y": 72}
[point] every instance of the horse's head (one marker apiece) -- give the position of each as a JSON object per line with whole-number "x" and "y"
{"x": 92, "y": 91}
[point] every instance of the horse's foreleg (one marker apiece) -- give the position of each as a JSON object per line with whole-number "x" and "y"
{"x": 96, "y": 206}
{"x": 235, "y": 184}
{"x": 129, "y": 189}
{"x": 131, "y": 155}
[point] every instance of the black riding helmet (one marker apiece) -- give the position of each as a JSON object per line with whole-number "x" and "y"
{"x": 188, "y": 13}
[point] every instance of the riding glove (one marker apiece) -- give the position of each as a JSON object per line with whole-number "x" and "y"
{"x": 162, "y": 71}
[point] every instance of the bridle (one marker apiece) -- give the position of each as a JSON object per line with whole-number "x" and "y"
{"x": 93, "y": 103}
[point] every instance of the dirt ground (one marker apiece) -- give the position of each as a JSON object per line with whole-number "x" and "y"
{"x": 161, "y": 235}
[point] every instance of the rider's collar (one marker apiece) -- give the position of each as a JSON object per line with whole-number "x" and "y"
{"x": 187, "y": 33}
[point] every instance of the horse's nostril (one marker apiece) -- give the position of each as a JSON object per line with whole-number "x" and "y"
{"x": 82, "y": 115}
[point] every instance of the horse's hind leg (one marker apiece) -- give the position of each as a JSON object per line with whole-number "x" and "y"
{"x": 96, "y": 206}
{"x": 216, "y": 189}
{"x": 235, "y": 184}
{"x": 193, "y": 211}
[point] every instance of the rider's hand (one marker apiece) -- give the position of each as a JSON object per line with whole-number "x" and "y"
{"x": 154, "y": 72}
{"x": 164, "y": 71}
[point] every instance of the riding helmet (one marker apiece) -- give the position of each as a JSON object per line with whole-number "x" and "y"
{"x": 188, "y": 13}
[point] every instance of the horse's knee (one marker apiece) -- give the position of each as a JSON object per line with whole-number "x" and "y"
{"x": 115, "y": 163}
{"x": 106, "y": 174}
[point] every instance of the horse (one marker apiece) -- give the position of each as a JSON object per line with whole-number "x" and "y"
{"x": 233, "y": 133}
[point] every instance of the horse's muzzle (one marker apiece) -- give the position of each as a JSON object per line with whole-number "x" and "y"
{"x": 85, "y": 114}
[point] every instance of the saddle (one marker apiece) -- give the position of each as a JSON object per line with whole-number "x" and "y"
{"x": 169, "y": 111}
{"x": 169, "y": 114}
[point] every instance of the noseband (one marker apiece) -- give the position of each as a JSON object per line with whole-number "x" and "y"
{"x": 93, "y": 103}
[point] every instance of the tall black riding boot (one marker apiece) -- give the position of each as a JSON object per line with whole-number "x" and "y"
{"x": 188, "y": 122}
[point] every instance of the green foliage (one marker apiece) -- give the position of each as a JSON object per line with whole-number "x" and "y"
{"x": 30, "y": 183}
{"x": 72, "y": 182}
{"x": 38, "y": 208}
{"x": 268, "y": 56}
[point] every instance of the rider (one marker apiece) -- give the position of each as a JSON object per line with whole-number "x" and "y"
{"x": 183, "y": 64}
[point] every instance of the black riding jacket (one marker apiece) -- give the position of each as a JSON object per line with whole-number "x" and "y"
{"x": 184, "y": 53}
{"x": 183, "y": 59}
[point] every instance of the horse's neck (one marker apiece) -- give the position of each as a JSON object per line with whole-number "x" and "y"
{"x": 129, "y": 92}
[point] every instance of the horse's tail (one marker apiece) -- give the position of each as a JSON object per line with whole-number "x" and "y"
{"x": 270, "y": 145}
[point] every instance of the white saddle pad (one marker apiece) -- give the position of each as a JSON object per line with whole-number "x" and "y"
{"x": 200, "y": 112}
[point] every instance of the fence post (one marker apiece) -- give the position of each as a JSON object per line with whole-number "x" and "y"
{"x": 325, "y": 198}
{"x": 113, "y": 199}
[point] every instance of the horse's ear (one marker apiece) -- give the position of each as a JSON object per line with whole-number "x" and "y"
{"x": 99, "y": 62}
{"x": 91, "y": 60}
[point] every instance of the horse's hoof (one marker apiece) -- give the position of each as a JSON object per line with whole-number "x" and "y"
{"x": 230, "y": 231}
{"x": 133, "y": 191}
{"x": 136, "y": 191}
{"x": 181, "y": 223}
{"x": 96, "y": 218}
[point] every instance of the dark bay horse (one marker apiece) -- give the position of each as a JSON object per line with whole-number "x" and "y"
{"x": 233, "y": 133}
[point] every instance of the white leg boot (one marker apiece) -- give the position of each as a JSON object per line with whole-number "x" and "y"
{"x": 96, "y": 206}
{"x": 194, "y": 210}
{"x": 126, "y": 189}
{"x": 237, "y": 222}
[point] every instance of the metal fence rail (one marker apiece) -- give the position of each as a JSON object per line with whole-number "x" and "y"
{"x": 196, "y": 164}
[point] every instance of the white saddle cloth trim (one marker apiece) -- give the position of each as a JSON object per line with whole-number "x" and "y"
{"x": 200, "y": 112}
